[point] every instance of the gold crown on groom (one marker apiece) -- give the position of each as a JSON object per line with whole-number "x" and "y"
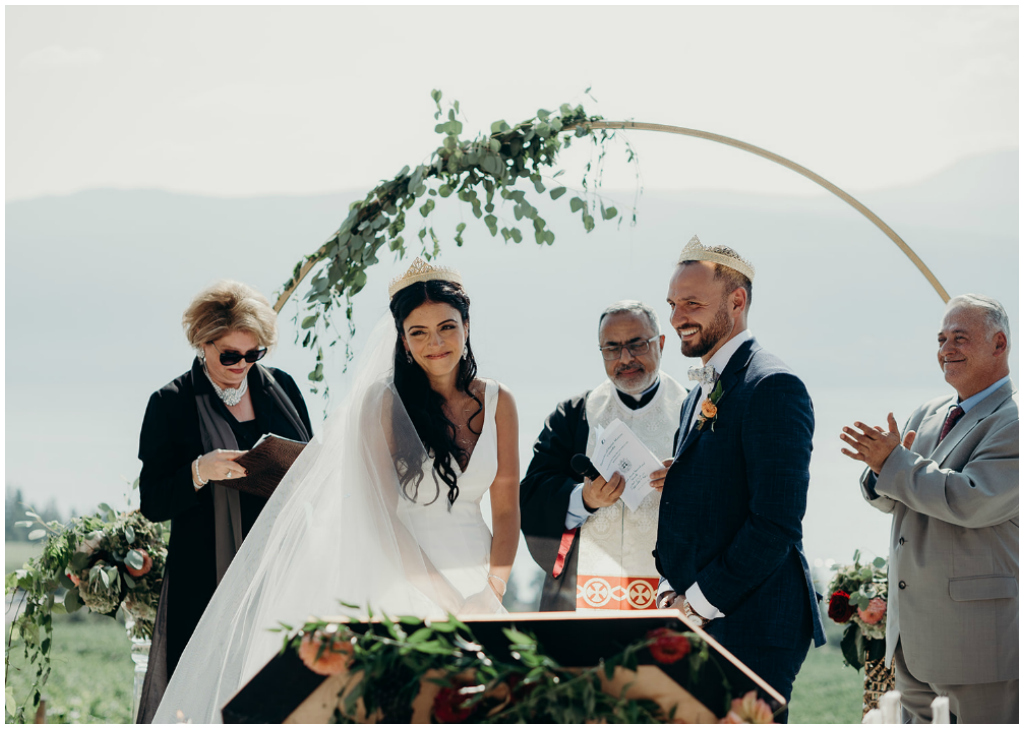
{"x": 697, "y": 251}
{"x": 420, "y": 270}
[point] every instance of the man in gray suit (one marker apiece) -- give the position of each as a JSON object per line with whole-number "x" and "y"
{"x": 953, "y": 492}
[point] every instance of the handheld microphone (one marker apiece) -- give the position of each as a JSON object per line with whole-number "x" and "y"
{"x": 584, "y": 467}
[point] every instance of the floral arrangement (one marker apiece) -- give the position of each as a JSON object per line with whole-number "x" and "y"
{"x": 858, "y": 599}
{"x": 409, "y": 670}
{"x": 102, "y": 562}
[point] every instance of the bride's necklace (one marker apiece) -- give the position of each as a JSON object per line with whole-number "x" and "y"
{"x": 467, "y": 439}
{"x": 228, "y": 396}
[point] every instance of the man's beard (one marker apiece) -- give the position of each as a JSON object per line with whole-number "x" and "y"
{"x": 709, "y": 338}
{"x": 638, "y": 385}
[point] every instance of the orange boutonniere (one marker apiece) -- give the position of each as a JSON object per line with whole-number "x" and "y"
{"x": 709, "y": 408}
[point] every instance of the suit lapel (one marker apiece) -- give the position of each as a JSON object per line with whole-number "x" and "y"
{"x": 730, "y": 376}
{"x": 968, "y": 422}
{"x": 687, "y": 415}
{"x": 929, "y": 430}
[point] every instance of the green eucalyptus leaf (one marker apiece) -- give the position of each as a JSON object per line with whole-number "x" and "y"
{"x": 576, "y": 204}
{"x": 849, "y": 647}
{"x": 134, "y": 559}
{"x": 72, "y": 601}
{"x": 557, "y": 193}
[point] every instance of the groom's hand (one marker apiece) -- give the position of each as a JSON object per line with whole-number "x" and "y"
{"x": 874, "y": 445}
{"x": 658, "y": 477}
{"x": 667, "y": 599}
{"x": 599, "y": 493}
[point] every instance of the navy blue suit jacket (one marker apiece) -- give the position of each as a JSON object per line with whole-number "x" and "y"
{"x": 733, "y": 502}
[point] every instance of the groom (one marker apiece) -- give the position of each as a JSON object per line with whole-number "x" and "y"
{"x": 729, "y": 534}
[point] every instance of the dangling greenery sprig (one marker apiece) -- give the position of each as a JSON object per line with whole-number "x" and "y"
{"x": 474, "y": 171}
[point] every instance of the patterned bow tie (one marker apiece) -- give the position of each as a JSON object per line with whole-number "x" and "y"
{"x": 705, "y": 375}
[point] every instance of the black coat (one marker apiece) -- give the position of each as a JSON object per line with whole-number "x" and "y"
{"x": 544, "y": 498}
{"x": 169, "y": 443}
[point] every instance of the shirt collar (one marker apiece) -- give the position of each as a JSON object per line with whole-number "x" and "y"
{"x": 638, "y": 400}
{"x": 978, "y": 397}
{"x": 722, "y": 356}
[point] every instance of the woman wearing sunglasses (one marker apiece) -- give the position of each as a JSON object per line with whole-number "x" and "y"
{"x": 194, "y": 429}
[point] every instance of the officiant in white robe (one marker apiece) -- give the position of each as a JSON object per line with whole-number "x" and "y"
{"x": 597, "y": 553}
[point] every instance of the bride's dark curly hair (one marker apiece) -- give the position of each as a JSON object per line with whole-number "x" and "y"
{"x": 421, "y": 402}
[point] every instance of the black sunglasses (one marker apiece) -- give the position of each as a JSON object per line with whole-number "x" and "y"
{"x": 232, "y": 358}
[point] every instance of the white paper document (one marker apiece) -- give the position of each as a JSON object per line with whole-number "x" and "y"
{"x": 618, "y": 449}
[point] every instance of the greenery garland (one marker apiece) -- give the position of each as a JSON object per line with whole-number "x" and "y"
{"x": 102, "y": 562}
{"x": 474, "y": 171}
{"x": 393, "y": 660}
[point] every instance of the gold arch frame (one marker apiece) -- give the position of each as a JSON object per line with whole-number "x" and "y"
{"x": 799, "y": 169}
{"x": 728, "y": 141}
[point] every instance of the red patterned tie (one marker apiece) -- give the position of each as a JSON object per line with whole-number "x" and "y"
{"x": 952, "y": 419}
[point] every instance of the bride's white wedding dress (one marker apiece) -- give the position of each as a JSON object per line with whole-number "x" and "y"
{"x": 457, "y": 541}
{"x": 338, "y": 529}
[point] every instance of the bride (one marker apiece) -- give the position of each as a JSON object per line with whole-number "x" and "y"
{"x": 382, "y": 509}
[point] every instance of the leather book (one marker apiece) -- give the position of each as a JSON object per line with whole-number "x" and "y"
{"x": 266, "y": 463}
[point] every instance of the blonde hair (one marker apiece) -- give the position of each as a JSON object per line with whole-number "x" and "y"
{"x": 228, "y": 306}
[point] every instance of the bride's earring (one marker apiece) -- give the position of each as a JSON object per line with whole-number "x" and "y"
{"x": 408, "y": 356}
{"x": 465, "y": 351}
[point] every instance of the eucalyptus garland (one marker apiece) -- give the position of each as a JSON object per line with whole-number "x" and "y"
{"x": 507, "y": 166}
{"x": 389, "y": 663}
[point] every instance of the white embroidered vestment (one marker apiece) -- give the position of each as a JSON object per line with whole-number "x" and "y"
{"x": 616, "y": 568}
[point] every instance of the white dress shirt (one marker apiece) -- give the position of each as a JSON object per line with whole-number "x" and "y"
{"x": 719, "y": 360}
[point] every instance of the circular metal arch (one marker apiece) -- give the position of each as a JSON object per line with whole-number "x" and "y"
{"x": 729, "y": 141}
{"x": 800, "y": 169}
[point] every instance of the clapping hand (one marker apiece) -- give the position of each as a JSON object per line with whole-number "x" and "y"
{"x": 873, "y": 445}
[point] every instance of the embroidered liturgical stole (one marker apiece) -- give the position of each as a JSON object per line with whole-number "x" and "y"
{"x": 616, "y": 570}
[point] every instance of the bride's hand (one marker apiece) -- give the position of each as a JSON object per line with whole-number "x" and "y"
{"x": 485, "y": 602}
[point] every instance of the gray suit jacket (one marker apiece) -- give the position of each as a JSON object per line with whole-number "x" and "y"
{"x": 953, "y": 556}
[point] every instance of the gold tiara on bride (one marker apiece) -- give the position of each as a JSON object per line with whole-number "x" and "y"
{"x": 420, "y": 270}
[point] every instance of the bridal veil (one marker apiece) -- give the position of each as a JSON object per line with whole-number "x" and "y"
{"x": 329, "y": 533}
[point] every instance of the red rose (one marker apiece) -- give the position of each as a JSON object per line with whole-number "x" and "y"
{"x": 839, "y": 608}
{"x": 669, "y": 646}
{"x": 449, "y": 705}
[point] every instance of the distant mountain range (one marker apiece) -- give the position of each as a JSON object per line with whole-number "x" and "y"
{"x": 96, "y": 283}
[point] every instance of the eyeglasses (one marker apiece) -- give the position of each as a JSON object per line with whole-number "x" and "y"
{"x": 232, "y": 358}
{"x": 614, "y": 351}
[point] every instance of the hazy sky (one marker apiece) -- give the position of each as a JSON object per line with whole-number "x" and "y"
{"x": 242, "y": 101}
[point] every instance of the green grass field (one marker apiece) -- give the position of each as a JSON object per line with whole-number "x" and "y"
{"x": 826, "y": 691}
{"x": 91, "y": 675}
